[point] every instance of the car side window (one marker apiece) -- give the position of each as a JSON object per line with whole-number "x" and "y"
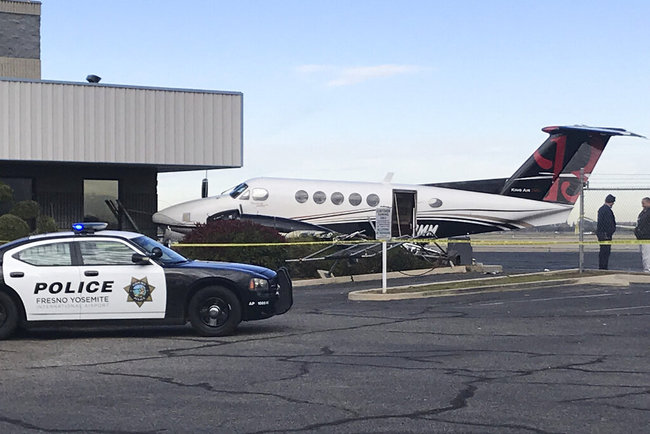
{"x": 105, "y": 252}
{"x": 46, "y": 255}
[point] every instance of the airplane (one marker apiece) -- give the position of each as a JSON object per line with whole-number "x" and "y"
{"x": 541, "y": 192}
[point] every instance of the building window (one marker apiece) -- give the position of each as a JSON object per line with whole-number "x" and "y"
{"x": 337, "y": 198}
{"x": 372, "y": 200}
{"x": 302, "y": 196}
{"x": 355, "y": 199}
{"x": 320, "y": 197}
{"x": 96, "y": 193}
{"x": 21, "y": 188}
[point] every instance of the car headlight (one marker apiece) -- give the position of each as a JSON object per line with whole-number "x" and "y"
{"x": 257, "y": 284}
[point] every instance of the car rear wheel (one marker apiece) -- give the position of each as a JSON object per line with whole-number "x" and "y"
{"x": 214, "y": 311}
{"x": 8, "y": 316}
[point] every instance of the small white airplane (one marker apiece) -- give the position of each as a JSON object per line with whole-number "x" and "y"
{"x": 542, "y": 192}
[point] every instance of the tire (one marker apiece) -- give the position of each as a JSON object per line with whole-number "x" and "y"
{"x": 214, "y": 311}
{"x": 8, "y": 316}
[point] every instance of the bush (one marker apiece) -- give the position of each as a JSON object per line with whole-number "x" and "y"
{"x": 46, "y": 224}
{"x": 12, "y": 227}
{"x": 236, "y": 232}
{"x": 6, "y": 193}
{"x": 25, "y": 209}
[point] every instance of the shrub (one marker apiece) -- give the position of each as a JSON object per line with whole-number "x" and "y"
{"x": 46, "y": 224}
{"x": 235, "y": 232}
{"x": 12, "y": 227}
{"x": 25, "y": 209}
{"x": 6, "y": 193}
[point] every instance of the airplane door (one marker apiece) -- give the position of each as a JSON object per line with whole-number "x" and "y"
{"x": 404, "y": 213}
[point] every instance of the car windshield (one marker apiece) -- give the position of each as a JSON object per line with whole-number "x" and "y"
{"x": 168, "y": 257}
{"x": 238, "y": 190}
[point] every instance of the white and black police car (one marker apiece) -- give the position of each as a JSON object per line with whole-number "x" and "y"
{"x": 92, "y": 275}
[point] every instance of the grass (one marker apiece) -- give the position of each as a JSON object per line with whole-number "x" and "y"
{"x": 494, "y": 281}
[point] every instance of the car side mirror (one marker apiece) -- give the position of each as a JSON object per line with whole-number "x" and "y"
{"x": 156, "y": 252}
{"x": 140, "y": 259}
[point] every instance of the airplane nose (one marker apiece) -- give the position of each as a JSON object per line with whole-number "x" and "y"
{"x": 163, "y": 219}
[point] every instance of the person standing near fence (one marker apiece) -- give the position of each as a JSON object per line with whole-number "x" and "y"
{"x": 606, "y": 226}
{"x": 642, "y": 232}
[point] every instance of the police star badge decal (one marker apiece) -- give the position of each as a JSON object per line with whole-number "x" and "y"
{"x": 139, "y": 291}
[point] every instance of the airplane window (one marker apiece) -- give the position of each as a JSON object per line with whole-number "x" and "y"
{"x": 320, "y": 197}
{"x": 337, "y": 198}
{"x": 302, "y": 196}
{"x": 245, "y": 195}
{"x": 435, "y": 203}
{"x": 355, "y": 199}
{"x": 238, "y": 190}
{"x": 260, "y": 194}
{"x": 372, "y": 199}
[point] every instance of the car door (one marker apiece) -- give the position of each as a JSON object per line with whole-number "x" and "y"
{"x": 44, "y": 277}
{"x": 131, "y": 291}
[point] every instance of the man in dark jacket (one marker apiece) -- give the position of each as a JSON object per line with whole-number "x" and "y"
{"x": 605, "y": 229}
{"x": 642, "y": 232}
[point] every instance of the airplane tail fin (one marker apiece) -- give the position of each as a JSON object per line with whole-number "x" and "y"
{"x": 552, "y": 173}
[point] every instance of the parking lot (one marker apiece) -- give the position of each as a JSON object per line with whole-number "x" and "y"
{"x": 572, "y": 359}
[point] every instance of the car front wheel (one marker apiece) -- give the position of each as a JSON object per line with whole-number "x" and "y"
{"x": 8, "y": 316}
{"x": 214, "y": 311}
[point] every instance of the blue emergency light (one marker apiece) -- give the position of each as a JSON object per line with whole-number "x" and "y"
{"x": 89, "y": 227}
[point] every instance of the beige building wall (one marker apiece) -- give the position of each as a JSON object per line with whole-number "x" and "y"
{"x": 20, "y": 68}
{"x": 172, "y": 129}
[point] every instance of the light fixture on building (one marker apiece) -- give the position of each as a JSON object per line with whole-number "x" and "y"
{"x": 92, "y": 78}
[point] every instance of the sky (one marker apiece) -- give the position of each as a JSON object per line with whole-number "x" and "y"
{"x": 351, "y": 90}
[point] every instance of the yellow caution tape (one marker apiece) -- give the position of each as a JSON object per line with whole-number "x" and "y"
{"x": 420, "y": 241}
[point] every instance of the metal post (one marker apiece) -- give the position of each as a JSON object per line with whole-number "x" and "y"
{"x": 384, "y": 279}
{"x": 581, "y": 233}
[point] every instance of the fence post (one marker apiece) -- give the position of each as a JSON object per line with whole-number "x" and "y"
{"x": 581, "y": 223}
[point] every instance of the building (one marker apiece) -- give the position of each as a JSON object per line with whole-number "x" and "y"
{"x": 91, "y": 150}
{"x": 20, "y": 39}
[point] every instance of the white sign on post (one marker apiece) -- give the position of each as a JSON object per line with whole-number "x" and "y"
{"x": 383, "y": 233}
{"x": 383, "y": 223}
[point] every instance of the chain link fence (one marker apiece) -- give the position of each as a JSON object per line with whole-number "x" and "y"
{"x": 628, "y": 190}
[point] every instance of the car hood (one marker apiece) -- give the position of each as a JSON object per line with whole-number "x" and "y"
{"x": 253, "y": 270}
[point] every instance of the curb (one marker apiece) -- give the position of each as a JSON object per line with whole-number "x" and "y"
{"x": 616, "y": 280}
{"x": 459, "y": 269}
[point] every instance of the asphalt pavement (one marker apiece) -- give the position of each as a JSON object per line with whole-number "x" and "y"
{"x": 564, "y": 359}
{"x": 517, "y": 261}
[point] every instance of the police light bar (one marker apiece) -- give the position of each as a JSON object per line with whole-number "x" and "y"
{"x": 89, "y": 227}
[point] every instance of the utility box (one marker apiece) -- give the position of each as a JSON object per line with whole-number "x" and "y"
{"x": 460, "y": 250}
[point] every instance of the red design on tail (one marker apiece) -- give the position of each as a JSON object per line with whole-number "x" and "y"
{"x": 542, "y": 162}
{"x": 560, "y": 146}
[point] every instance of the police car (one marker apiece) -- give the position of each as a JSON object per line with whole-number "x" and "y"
{"x": 96, "y": 275}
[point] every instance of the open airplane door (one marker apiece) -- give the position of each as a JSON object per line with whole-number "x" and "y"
{"x": 404, "y": 213}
